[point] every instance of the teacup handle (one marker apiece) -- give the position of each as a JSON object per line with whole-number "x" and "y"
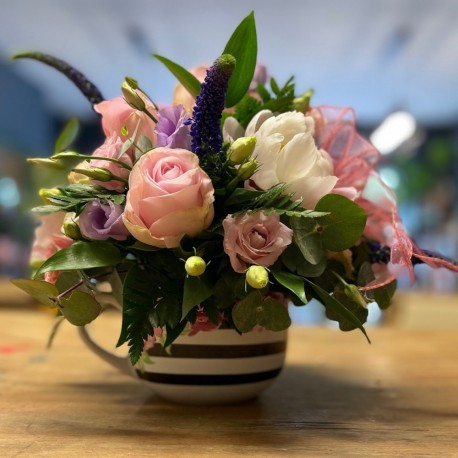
{"x": 121, "y": 363}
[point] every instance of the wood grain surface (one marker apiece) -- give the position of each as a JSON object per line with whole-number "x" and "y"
{"x": 337, "y": 396}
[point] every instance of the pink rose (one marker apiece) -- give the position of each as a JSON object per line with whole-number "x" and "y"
{"x": 111, "y": 149}
{"x": 49, "y": 237}
{"x": 117, "y": 113}
{"x": 181, "y": 96}
{"x": 169, "y": 196}
{"x": 255, "y": 239}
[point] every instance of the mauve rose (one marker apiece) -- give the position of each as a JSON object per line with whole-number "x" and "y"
{"x": 169, "y": 196}
{"x": 117, "y": 114}
{"x": 173, "y": 128}
{"x": 254, "y": 239}
{"x": 100, "y": 221}
{"x": 111, "y": 148}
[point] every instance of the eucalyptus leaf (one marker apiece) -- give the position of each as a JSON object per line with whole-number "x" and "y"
{"x": 67, "y": 136}
{"x": 80, "y": 308}
{"x": 292, "y": 282}
{"x": 308, "y": 240}
{"x": 244, "y": 312}
{"x": 188, "y": 80}
{"x": 82, "y": 255}
{"x": 384, "y": 295}
{"x": 294, "y": 261}
{"x": 273, "y": 315}
{"x": 243, "y": 46}
{"x": 352, "y": 299}
{"x": 42, "y": 291}
{"x": 196, "y": 290}
{"x": 345, "y": 223}
{"x": 338, "y": 308}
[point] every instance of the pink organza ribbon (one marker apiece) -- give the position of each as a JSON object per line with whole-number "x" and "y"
{"x": 355, "y": 161}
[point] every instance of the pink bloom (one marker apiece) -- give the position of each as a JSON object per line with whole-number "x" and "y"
{"x": 48, "y": 240}
{"x": 151, "y": 340}
{"x": 254, "y": 239}
{"x": 48, "y": 237}
{"x": 111, "y": 148}
{"x": 117, "y": 114}
{"x": 203, "y": 323}
{"x": 181, "y": 96}
{"x": 169, "y": 196}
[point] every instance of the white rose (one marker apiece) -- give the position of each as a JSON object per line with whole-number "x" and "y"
{"x": 287, "y": 153}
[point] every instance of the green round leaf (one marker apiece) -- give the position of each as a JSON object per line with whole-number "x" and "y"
{"x": 345, "y": 223}
{"x": 80, "y": 308}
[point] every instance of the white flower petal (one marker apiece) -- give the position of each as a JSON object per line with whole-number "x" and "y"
{"x": 257, "y": 121}
{"x": 312, "y": 189}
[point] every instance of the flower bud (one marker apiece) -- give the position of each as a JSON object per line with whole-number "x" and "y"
{"x": 302, "y": 103}
{"x": 45, "y": 193}
{"x": 51, "y": 163}
{"x": 195, "y": 266}
{"x": 247, "y": 169}
{"x": 96, "y": 173}
{"x": 71, "y": 229}
{"x": 241, "y": 149}
{"x": 132, "y": 82}
{"x": 257, "y": 277}
{"x": 132, "y": 98}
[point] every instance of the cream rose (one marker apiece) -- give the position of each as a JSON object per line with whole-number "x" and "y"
{"x": 287, "y": 153}
{"x": 169, "y": 196}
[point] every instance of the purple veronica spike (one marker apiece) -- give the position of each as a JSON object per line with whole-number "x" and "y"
{"x": 206, "y": 116}
{"x": 88, "y": 89}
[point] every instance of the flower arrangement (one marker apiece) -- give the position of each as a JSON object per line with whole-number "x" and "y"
{"x": 218, "y": 210}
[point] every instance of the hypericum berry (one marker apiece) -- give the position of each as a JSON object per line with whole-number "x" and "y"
{"x": 257, "y": 277}
{"x": 195, "y": 266}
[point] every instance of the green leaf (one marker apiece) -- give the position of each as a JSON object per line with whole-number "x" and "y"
{"x": 292, "y": 282}
{"x": 308, "y": 239}
{"x": 294, "y": 261}
{"x": 82, "y": 255}
{"x": 352, "y": 299}
{"x": 338, "y": 308}
{"x": 189, "y": 81}
{"x": 273, "y": 315}
{"x": 196, "y": 290}
{"x": 80, "y": 308}
{"x": 243, "y": 46}
{"x": 244, "y": 312}
{"x": 67, "y": 136}
{"x": 345, "y": 223}
{"x": 252, "y": 310}
{"x": 141, "y": 293}
{"x": 40, "y": 290}
{"x": 384, "y": 295}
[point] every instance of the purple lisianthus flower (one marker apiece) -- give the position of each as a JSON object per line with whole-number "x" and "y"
{"x": 173, "y": 128}
{"x": 98, "y": 221}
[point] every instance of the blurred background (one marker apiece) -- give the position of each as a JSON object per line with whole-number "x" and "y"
{"x": 394, "y": 61}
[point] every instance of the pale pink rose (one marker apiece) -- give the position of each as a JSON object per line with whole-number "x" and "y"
{"x": 49, "y": 237}
{"x": 111, "y": 148}
{"x": 181, "y": 96}
{"x": 254, "y": 239}
{"x": 117, "y": 114}
{"x": 169, "y": 196}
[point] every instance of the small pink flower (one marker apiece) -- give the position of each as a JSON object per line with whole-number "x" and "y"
{"x": 111, "y": 148}
{"x": 255, "y": 239}
{"x": 118, "y": 114}
{"x": 169, "y": 196}
{"x": 203, "y": 323}
{"x": 151, "y": 340}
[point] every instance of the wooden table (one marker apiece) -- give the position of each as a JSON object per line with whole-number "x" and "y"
{"x": 337, "y": 396}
